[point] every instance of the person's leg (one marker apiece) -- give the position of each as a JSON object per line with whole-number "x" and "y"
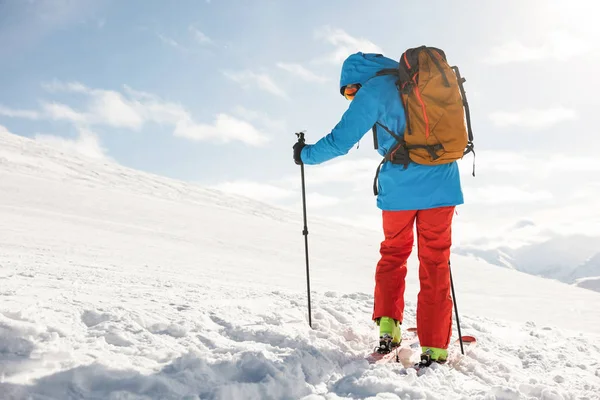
{"x": 391, "y": 269}
{"x": 434, "y": 306}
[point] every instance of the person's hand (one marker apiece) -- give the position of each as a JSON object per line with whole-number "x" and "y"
{"x": 297, "y": 151}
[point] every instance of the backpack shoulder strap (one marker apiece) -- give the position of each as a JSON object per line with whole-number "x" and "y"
{"x": 388, "y": 130}
{"x": 387, "y": 71}
{"x": 375, "y": 142}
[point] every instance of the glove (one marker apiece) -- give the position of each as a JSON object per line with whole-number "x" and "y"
{"x": 297, "y": 151}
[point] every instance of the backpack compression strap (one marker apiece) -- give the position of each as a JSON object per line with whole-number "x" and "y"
{"x": 400, "y": 147}
{"x": 470, "y": 146}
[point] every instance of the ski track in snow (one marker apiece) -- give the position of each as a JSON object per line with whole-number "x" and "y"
{"x": 119, "y": 285}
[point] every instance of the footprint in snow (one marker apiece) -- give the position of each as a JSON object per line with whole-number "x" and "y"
{"x": 174, "y": 330}
{"x": 92, "y": 318}
{"x": 117, "y": 339}
{"x": 265, "y": 336}
{"x": 219, "y": 321}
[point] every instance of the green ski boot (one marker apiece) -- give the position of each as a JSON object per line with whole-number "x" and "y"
{"x": 389, "y": 334}
{"x": 430, "y": 355}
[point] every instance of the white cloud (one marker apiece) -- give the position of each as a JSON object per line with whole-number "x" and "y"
{"x": 263, "y": 81}
{"x": 301, "y": 72}
{"x": 590, "y": 191}
{"x": 359, "y": 170}
{"x": 272, "y": 125}
{"x": 557, "y": 163}
{"x": 503, "y": 194}
{"x": 111, "y": 108}
{"x": 558, "y": 45}
{"x": 133, "y": 109}
{"x": 199, "y": 36}
{"x": 171, "y": 42}
{"x": 152, "y": 108}
{"x": 58, "y": 86}
{"x": 86, "y": 144}
{"x": 364, "y": 221}
{"x": 317, "y": 200}
{"x": 577, "y": 16}
{"x": 533, "y": 119}
{"x": 575, "y": 217}
{"x": 356, "y": 174}
{"x": 497, "y": 164}
{"x": 59, "y": 111}
{"x": 275, "y": 195}
{"x": 105, "y": 107}
{"x": 224, "y": 129}
{"x": 557, "y": 192}
{"x": 345, "y": 44}
{"x": 14, "y": 113}
{"x": 255, "y": 190}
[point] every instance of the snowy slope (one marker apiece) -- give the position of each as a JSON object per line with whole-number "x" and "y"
{"x": 115, "y": 284}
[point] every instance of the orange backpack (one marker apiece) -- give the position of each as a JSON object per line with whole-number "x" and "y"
{"x": 435, "y": 105}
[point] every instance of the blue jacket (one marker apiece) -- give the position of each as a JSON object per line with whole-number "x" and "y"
{"x": 415, "y": 188}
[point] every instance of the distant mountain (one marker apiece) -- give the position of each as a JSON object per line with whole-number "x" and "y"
{"x": 500, "y": 256}
{"x": 564, "y": 258}
{"x": 558, "y": 257}
{"x": 590, "y": 268}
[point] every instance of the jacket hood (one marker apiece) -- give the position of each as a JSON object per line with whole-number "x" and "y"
{"x": 360, "y": 67}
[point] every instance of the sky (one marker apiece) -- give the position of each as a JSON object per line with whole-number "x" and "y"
{"x": 212, "y": 92}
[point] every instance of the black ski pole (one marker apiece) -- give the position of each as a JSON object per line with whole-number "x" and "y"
{"x": 305, "y": 231}
{"x": 462, "y": 350}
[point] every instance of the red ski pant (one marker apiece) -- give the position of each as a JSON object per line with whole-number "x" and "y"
{"x": 434, "y": 304}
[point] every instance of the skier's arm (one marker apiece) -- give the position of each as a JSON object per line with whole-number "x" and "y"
{"x": 359, "y": 118}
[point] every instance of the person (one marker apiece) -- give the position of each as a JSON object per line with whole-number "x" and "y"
{"x": 418, "y": 194}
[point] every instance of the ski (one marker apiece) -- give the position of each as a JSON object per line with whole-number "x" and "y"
{"x": 408, "y": 351}
{"x": 400, "y": 353}
{"x": 454, "y": 353}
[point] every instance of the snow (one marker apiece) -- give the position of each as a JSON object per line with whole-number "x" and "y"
{"x": 117, "y": 284}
